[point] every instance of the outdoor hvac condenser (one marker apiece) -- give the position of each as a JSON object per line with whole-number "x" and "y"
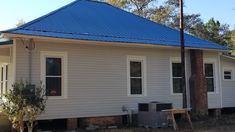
{"x": 151, "y": 115}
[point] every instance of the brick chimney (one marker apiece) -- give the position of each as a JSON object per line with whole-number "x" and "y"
{"x": 198, "y": 88}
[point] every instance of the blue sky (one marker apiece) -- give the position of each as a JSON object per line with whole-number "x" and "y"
{"x": 14, "y": 10}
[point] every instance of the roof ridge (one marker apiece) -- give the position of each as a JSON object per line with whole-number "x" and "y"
{"x": 45, "y": 16}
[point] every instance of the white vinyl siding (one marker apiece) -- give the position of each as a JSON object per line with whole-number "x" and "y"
{"x": 214, "y": 98}
{"x": 97, "y": 78}
{"x": 228, "y": 98}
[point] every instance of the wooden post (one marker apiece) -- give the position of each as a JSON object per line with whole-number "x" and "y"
{"x": 72, "y": 123}
{"x": 182, "y": 54}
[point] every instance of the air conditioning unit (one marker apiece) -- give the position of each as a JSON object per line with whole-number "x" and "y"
{"x": 151, "y": 115}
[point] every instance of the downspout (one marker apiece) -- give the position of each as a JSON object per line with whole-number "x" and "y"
{"x": 30, "y": 65}
{"x": 30, "y": 47}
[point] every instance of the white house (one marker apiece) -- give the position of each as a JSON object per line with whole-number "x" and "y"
{"x": 94, "y": 59}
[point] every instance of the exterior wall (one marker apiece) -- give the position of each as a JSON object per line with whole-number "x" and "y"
{"x": 4, "y": 51}
{"x": 97, "y": 78}
{"x": 6, "y": 58}
{"x": 214, "y": 98}
{"x": 228, "y": 86}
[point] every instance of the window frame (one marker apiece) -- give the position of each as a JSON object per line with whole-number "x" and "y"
{"x": 175, "y": 60}
{"x": 4, "y": 77}
{"x": 172, "y": 78}
{"x": 1, "y": 80}
{"x": 215, "y": 73}
{"x": 63, "y": 56}
{"x": 141, "y": 59}
{"x": 232, "y": 73}
{"x": 6, "y": 81}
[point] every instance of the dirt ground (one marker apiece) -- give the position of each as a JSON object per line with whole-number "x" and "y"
{"x": 224, "y": 123}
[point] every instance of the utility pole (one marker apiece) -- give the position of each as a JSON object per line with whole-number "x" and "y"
{"x": 181, "y": 12}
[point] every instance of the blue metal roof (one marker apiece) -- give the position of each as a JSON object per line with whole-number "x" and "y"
{"x": 98, "y": 21}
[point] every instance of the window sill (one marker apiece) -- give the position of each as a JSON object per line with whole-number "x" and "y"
{"x": 229, "y": 80}
{"x": 56, "y": 97}
{"x": 136, "y": 95}
{"x": 176, "y": 94}
{"x": 211, "y": 93}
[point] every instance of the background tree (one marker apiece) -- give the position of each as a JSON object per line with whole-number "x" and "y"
{"x": 233, "y": 40}
{"x": 213, "y": 31}
{"x": 233, "y": 37}
{"x": 23, "y": 103}
{"x": 167, "y": 14}
{"x": 118, "y": 3}
{"x": 20, "y": 22}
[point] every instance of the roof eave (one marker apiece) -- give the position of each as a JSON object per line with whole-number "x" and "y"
{"x": 14, "y": 35}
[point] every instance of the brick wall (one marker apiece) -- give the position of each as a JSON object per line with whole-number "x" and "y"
{"x": 102, "y": 121}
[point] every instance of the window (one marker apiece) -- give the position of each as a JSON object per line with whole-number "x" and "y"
{"x": 6, "y": 78}
{"x": 209, "y": 74}
{"x": 3, "y": 79}
{"x": 176, "y": 77}
{"x": 136, "y": 75}
{"x": 228, "y": 74}
{"x": 53, "y": 72}
{"x": 53, "y": 76}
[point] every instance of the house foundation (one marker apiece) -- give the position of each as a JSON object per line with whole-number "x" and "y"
{"x": 101, "y": 122}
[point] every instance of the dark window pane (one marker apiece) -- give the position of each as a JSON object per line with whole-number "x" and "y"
{"x": 136, "y": 86}
{"x": 177, "y": 85}
{"x": 209, "y": 70}
{"x": 135, "y": 69}
{"x": 227, "y": 77}
{"x": 6, "y": 72}
{"x": 210, "y": 84}
{"x": 227, "y": 72}
{"x": 176, "y": 69}
{"x": 6, "y": 85}
{"x": 53, "y": 86}
{"x": 53, "y": 66}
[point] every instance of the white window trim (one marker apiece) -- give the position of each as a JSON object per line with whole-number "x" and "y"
{"x": 63, "y": 56}
{"x": 215, "y": 70}
{"x": 142, "y": 59}
{"x": 232, "y": 73}
{"x": 174, "y": 60}
{"x": 1, "y": 80}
